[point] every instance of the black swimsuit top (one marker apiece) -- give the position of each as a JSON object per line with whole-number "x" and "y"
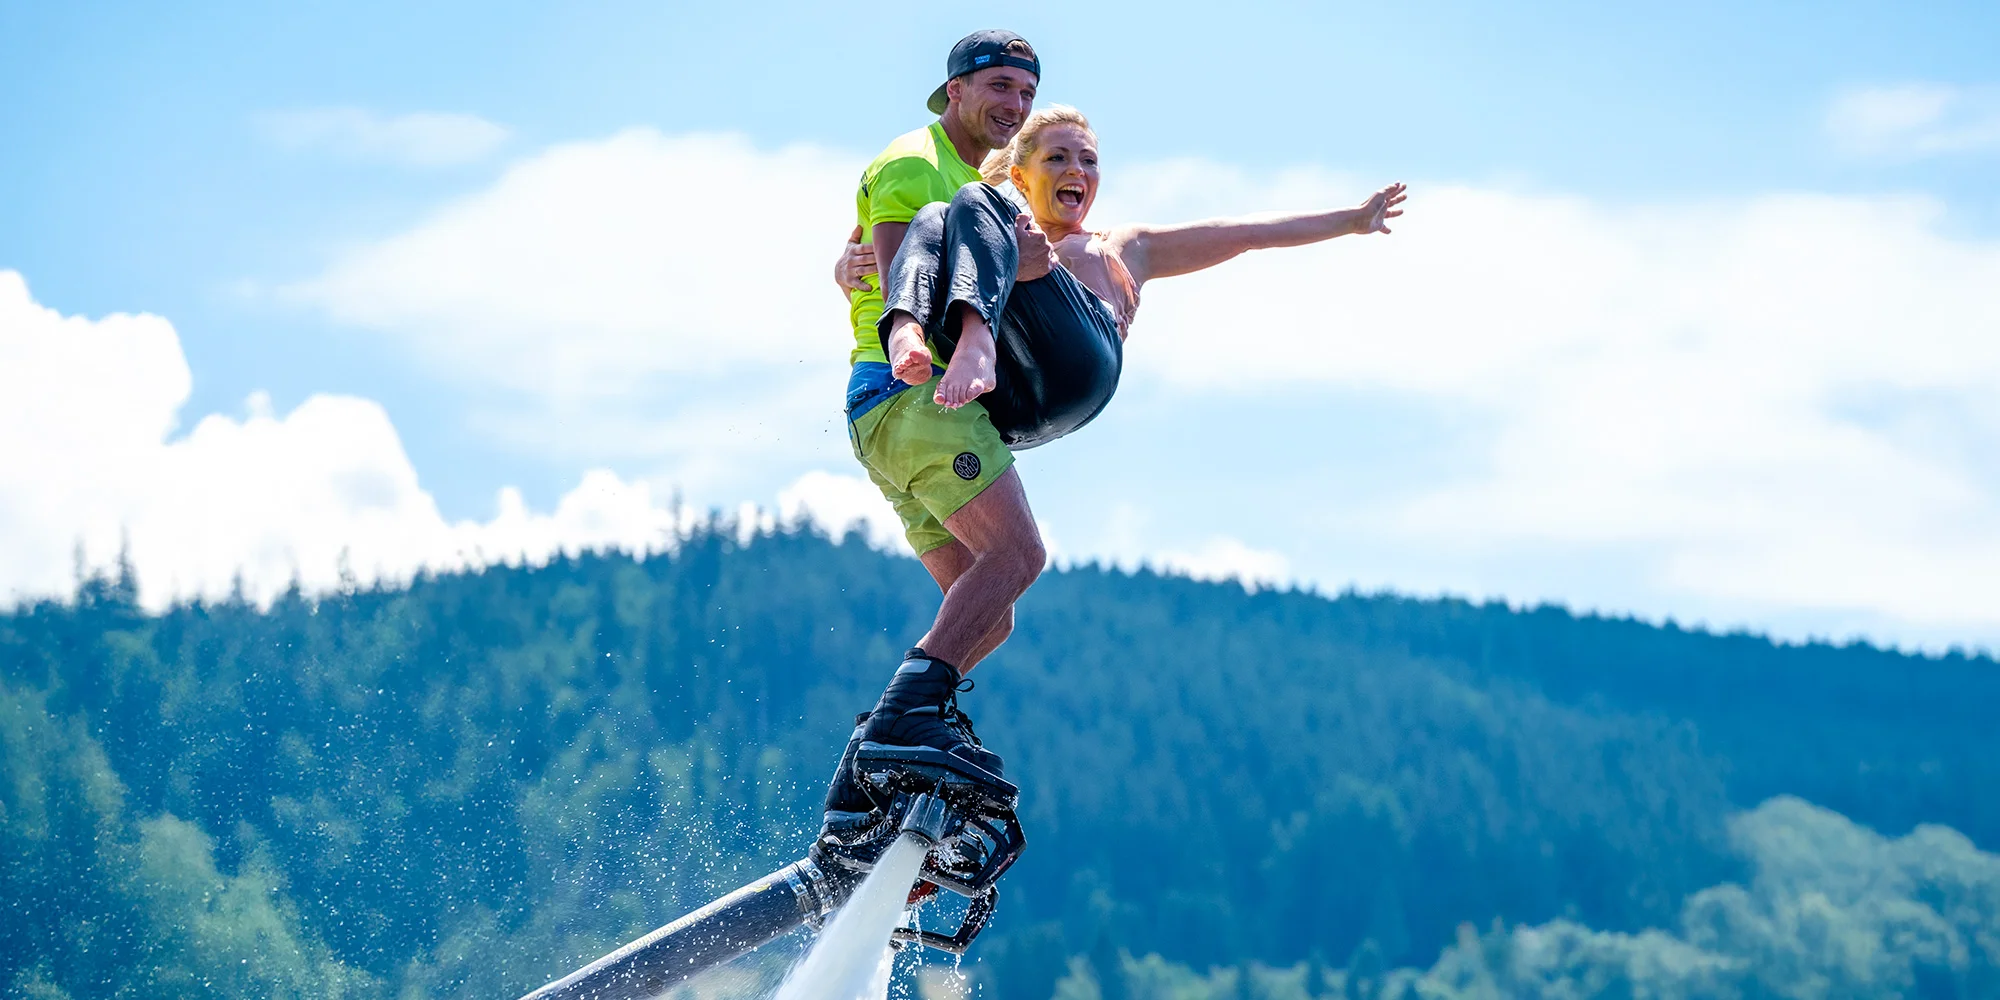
{"x": 1060, "y": 356}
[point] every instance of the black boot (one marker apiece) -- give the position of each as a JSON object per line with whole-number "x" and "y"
{"x": 847, "y": 806}
{"x": 920, "y": 709}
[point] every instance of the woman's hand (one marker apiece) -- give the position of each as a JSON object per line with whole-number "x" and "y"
{"x": 857, "y": 262}
{"x": 1379, "y": 208}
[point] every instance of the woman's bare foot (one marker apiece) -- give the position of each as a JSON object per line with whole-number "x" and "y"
{"x": 909, "y": 356}
{"x": 971, "y": 370}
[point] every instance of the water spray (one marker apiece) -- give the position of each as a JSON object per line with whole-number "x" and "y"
{"x": 960, "y": 816}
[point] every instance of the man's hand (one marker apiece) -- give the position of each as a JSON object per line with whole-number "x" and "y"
{"x": 1379, "y": 208}
{"x": 857, "y": 262}
{"x": 1037, "y": 257}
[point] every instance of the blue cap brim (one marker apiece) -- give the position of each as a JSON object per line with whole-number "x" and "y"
{"x": 939, "y": 101}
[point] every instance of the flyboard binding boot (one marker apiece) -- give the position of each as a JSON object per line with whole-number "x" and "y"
{"x": 918, "y": 723}
{"x": 847, "y": 807}
{"x": 917, "y": 745}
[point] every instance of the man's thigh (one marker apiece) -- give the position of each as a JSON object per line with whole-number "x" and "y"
{"x": 998, "y": 519}
{"x": 940, "y": 456}
{"x": 925, "y": 533}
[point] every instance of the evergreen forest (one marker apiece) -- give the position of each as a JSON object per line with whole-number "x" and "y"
{"x": 467, "y": 785}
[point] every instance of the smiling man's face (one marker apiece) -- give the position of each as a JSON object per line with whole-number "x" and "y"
{"x": 992, "y": 103}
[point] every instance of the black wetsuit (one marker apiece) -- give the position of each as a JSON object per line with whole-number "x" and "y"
{"x": 1058, "y": 349}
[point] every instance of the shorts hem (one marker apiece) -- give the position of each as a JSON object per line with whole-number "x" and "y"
{"x": 987, "y": 477}
{"x": 932, "y": 547}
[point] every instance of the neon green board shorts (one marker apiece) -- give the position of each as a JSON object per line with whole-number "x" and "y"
{"x": 929, "y": 460}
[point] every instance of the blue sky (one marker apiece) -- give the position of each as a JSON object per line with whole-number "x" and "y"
{"x": 181, "y": 162}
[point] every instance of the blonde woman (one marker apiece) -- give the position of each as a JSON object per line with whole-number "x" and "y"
{"x": 1043, "y": 355}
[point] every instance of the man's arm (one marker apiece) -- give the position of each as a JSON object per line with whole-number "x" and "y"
{"x": 899, "y": 189}
{"x": 1164, "y": 251}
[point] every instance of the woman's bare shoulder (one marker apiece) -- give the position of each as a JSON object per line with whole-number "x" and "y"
{"x": 1125, "y": 244}
{"x": 1118, "y": 238}
{"x": 1076, "y": 248}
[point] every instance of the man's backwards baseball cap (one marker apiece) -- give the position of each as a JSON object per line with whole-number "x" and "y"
{"x": 984, "y": 50}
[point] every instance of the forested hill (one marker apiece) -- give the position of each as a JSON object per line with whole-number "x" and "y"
{"x": 466, "y": 786}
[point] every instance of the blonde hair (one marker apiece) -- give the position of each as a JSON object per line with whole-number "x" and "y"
{"x": 1000, "y": 163}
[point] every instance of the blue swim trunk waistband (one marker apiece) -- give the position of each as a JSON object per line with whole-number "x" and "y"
{"x": 871, "y": 383}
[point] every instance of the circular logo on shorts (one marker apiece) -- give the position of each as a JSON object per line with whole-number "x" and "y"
{"x": 966, "y": 465}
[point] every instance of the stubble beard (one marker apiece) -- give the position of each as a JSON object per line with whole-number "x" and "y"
{"x": 990, "y": 134}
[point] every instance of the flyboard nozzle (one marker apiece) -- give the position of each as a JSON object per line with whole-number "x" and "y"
{"x": 929, "y": 817}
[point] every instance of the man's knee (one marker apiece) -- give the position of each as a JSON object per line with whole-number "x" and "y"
{"x": 1015, "y": 565}
{"x": 1026, "y": 560}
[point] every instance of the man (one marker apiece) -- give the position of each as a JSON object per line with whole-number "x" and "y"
{"x": 944, "y": 468}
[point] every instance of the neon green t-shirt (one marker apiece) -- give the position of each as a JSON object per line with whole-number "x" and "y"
{"x": 918, "y": 168}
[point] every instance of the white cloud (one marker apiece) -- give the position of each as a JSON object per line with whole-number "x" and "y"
{"x": 420, "y": 140}
{"x": 843, "y": 504}
{"x": 1782, "y": 403}
{"x": 644, "y": 297}
{"x": 590, "y": 269}
{"x": 1225, "y": 558}
{"x": 1130, "y": 537}
{"x": 1914, "y": 120}
{"x": 87, "y": 409}
{"x": 1756, "y": 407}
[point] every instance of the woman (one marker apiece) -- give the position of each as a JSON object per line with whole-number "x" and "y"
{"x": 1050, "y": 362}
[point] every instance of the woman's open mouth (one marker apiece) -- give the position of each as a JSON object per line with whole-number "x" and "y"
{"x": 1070, "y": 195}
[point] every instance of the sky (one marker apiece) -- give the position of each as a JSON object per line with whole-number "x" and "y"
{"x": 1693, "y": 314}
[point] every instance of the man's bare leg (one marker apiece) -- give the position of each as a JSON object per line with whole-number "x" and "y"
{"x": 1007, "y": 555}
{"x": 909, "y": 356}
{"x": 947, "y": 563}
{"x": 845, "y": 802}
{"x": 970, "y": 372}
{"x": 991, "y": 642}
{"x": 998, "y": 553}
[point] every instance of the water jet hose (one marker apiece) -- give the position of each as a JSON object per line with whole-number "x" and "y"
{"x": 759, "y": 913}
{"x": 745, "y": 919}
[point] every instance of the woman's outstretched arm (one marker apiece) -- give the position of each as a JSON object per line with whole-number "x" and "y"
{"x": 1164, "y": 251}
